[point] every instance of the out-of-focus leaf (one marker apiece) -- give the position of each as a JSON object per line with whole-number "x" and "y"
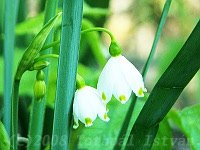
{"x": 188, "y": 121}
{"x": 33, "y": 25}
{"x": 4, "y": 140}
{"x": 94, "y": 12}
{"x": 93, "y": 39}
{"x": 163, "y": 137}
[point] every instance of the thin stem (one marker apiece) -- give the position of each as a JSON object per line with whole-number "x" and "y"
{"x": 157, "y": 37}
{"x": 99, "y": 29}
{"x": 14, "y": 115}
{"x": 22, "y": 140}
{"x": 50, "y": 45}
{"x": 46, "y": 56}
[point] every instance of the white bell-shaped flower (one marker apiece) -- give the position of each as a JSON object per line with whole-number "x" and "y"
{"x": 119, "y": 77}
{"x": 87, "y": 105}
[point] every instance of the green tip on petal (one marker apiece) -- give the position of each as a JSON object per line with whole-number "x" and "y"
{"x": 115, "y": 49}
{"x": 88, "y": 122}
{"x": 75, "y": 126}
{"x": 122, "y": 99}
{"x": 140, "y": 92}
{"x": 107, "y": 110}
{"x": 103, "y": 97}
{"x": 106, "y": 118}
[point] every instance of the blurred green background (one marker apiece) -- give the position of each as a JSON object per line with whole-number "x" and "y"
{"x": 133, "y": 23}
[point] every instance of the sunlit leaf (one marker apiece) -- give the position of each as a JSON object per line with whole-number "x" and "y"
{"x": 188, "y": 122}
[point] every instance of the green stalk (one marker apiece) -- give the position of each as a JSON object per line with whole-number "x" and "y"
{"x": 67, "y": 69}
{"x": 99, "y": 29}
{"x": 157, "y": 37}
{"x": 38, "y": 109}
{"x": 50, "y": 45}
{"x": 9, "y": 42}
{"x": 144, "y": 72}
{"x": 14, "y": 115}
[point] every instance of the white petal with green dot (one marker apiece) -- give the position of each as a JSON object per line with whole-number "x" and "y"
{"x": 106, "y": 80}
{"x": 132, "y": 76}
{"x": 76, "y": 124}
{"x": 87, "y": 105}
{"x": 121, "y": 87}
{"x": 84, "y": 104}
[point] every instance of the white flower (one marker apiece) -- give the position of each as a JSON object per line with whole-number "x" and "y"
{"x": 87, "y": 105}
{"x": 119, "y": 77}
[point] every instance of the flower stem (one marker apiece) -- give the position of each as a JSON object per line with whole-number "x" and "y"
{"x": 50, "y": 45}
{"x": 99, "y": 29}
{"x": 14, "y": 115}
{"x": 46, "y": 56}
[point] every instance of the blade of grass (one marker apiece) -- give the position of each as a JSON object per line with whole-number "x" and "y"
{"x": 67, "y": 68}
{"x": 38, "y": 109}
{"x": 166, "y": 91}
{"x": 144, "y": 72}
{"x": 11, "y": 7}
{"x": 157, "y": 37}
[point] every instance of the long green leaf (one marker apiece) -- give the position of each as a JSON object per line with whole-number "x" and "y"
{"x": 166, "y": 91}
{"x": 11, "y": 7}
{"x": 68, "y": 60}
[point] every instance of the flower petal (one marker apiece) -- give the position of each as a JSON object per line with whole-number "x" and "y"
{"x": 102, "y": 112}
{"x": 76, "y": 124}
{"x": 85, "y": 104}
{"x": 132, "y": 75}
{"x": 121, "y": 89}
{"x": 106, "y": 80}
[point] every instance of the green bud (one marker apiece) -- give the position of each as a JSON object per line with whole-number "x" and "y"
{"x": 35, "y": 47}
{"x": 114, "y": 49}
{"x": 39, "y": 65}
{"x": 39, "y": 90}
{"x": 80, "y": 83}
{"x": 40, "y": 75}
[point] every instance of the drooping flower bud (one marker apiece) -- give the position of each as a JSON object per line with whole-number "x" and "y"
{"x": 39, "y": 90}
{"x": 40, "y": 86}
{"x": 39, "y": 65}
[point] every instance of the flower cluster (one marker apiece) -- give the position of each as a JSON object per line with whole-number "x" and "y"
{"x": 119, "y": 77}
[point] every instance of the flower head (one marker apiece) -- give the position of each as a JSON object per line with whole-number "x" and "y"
{"x": 119, "y": 77}
{"x": 87, "y": 105}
